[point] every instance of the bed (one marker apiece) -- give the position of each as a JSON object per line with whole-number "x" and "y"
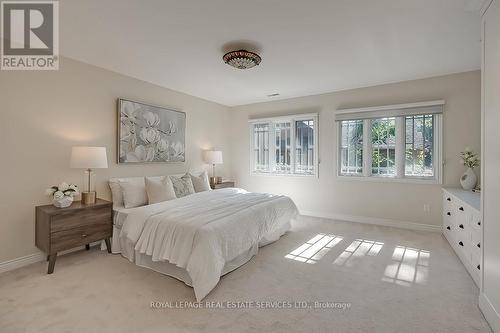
{"x": 202, "y": 236}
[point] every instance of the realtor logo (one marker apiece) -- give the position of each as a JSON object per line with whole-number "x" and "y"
{"x": 30, "y": 35}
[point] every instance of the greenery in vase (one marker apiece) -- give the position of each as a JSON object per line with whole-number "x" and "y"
{"x": 469, "y": 158}
{"x": 63, "y": 190}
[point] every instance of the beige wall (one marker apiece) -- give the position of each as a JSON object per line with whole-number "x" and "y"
{"x": 43, "y": 114}
{"x": 330, "y": 196}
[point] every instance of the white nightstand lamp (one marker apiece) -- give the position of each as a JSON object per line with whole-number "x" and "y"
{"x": 89, "y": 158}
{"x": 213, "y": 157}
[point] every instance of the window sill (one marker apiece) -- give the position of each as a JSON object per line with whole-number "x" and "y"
{"x": 413, "y": 180}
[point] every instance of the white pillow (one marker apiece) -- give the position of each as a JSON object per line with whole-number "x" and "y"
{"x": 116, "y": 190}
{"x": 200, "y": 183}
{"x": 159, "y": 190}
{"x": 134, "y": 193}
{"x": 182, "y": 185}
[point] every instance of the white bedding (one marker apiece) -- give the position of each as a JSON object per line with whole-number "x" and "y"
{"x": 203, "y": 231}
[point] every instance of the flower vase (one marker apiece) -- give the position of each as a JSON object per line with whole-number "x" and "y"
{"x": 468, "y": 180}
{"x": 64, "y": 202}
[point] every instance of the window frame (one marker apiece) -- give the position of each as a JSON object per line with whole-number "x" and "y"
{"x": 400, "y": 176}
{"x": 272, "y": 144}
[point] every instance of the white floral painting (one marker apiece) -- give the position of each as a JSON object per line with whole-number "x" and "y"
{"x": 150, "y": 133}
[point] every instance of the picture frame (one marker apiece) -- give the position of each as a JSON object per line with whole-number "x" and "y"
{"x": 150, "y": 134}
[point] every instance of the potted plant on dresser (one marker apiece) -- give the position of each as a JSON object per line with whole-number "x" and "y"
{"x": 470, "y": 160}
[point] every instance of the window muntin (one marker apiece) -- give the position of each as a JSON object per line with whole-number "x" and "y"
{"x": 261, "y": 147}
{"x": 383, "y": 134}
{"x": 304, "y": 147}
{"x": 285, "y": 145}
{"x": 282, "y": 134}
{"x": 399, "y": 147}
{"x": 419, "y": 146}
{"x": 351, "y": 147}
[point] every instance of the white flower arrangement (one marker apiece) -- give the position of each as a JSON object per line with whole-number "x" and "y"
{"x": 63, "y": 190}
{"x": 469, "y": 158}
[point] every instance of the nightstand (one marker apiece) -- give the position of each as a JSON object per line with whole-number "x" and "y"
{"x": 59, "y": 229}
{"x": 221, "y": 185}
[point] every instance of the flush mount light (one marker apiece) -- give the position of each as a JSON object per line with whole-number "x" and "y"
{"x": 242, "y": 59}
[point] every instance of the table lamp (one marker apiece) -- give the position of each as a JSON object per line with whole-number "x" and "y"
{"x": 89, "y": 158}
{"x": 213, "y": 157}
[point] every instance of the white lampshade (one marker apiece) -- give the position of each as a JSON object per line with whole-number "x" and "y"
{"x": 89, "y": 158}
{"x": 213, "y": 157}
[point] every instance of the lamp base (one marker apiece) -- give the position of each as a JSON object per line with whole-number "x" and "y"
{"x": 88, "y": 198}
{"x": 213, "y": 180}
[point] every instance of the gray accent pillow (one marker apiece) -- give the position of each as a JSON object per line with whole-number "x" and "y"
{"x": 200, "y": 183}
{"x": 182, "y": 185}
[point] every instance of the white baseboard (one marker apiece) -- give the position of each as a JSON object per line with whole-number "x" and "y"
{"x": 12, "y": 264}
{"x": 376, "y": 221}
{"x": 20, "y": 262}
{"x": 489, "y": 312}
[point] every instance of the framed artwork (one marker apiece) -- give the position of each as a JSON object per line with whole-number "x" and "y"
{"x": 150, "y": 134}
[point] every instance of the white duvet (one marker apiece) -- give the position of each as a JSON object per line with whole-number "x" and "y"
{"x": 203, "y": 231}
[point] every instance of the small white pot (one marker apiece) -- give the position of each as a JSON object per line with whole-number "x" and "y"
{"x": 468, "y": 180}
{"x": 63, "y": 203}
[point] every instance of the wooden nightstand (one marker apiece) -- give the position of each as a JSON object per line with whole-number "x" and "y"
{"x": 221, "y": 185}
{"x": 59, "y": 229}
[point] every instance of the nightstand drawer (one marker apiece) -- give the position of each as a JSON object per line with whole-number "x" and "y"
{"x": 222, "y": 185}
{"x": 99, "y": 216}
{"x": 67, "y": 239}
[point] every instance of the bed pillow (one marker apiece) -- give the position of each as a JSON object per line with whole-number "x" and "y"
{"x": 116, "y": 190}
{"x": 182, "y": 185}
{"x": 200, "y": 183}
{"x": 134, "y": 193}
{"x": 159, "y": 189}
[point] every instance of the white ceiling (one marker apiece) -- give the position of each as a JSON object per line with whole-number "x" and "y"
{"x": 307, "y": 47}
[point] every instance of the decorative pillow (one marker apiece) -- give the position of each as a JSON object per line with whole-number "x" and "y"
{"x": 182, "y": 185}
{"x": 159, "y": 190}
{"x": 200, "y": 183}
{"x": 134, "y": 194}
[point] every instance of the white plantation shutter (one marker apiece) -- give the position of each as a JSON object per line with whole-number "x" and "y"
{"x": 399, "y": 110}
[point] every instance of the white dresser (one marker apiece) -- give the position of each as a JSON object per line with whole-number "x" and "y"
{"x": 462, "y": 227}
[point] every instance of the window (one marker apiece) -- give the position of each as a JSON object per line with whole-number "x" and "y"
{"x": 284, "y": 145}
{"x": 395, "y": 142}
{"x": 383, "y": 141}
{"x": 351, "y": 147}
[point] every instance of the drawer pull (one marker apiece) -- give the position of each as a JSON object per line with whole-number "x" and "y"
{"x": 479, "y": 223}
{"x": 84, "y": 235}
{"x": 461, "y": 243}
{"x": 461, "y": 208}
{"x": 449, "y": 199}
{"x": 461, "y": 226}
{"x": 448, "y": 227}
{"x": 449, "y": 214}
{"x": 479, "y": 267}
{"x": 479, "y": 245}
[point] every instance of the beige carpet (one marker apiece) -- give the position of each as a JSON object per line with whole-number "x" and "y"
{"x": 394, "y": 281}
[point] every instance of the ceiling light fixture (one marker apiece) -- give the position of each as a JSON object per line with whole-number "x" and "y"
{"x": 242, "y": 59}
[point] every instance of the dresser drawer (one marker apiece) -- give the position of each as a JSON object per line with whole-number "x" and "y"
{"x": 475, "y": 267}
{"x": 476, "y": 244}
{"x": 99, "y": 216}
{"x": 67, "y": 239}
{"x": 475, "y": 222}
